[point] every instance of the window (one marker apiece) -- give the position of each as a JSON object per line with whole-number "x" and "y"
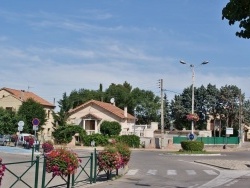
{"x": 48, "y": 114}
{"x": 9, "y": 109}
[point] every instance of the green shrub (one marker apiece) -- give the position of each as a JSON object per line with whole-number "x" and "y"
{"x": 130, "y": 140}
{"x": 192, "y": 145}
{"x": 125, "y": 152}
{"x": 110, "y": 128}
{"x": 100, "y": 140}
{"x": 63, "y": 134}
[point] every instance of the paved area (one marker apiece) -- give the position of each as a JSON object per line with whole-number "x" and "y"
{"x": 17, "y": 150}
{"x": 230, "y": 164}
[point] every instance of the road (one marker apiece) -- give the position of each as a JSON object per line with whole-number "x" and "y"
{"x": 158, "y": 169}
{"x": 161, "y": 169}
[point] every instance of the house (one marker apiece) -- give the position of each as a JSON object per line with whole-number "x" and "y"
{"x": 91, "y": 114}
{"x": 12, "y": 99}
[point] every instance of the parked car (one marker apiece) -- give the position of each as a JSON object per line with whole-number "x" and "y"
{"x": 4, "y": 139}
{"x": 22, "y": 138}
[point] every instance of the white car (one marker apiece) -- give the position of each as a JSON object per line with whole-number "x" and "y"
{"x": 22, "y": 137}
{"x": 4, "y": 139}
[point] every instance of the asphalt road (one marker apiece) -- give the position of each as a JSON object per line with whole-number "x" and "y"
{"x": 158, "y": 169}
{"x": 161, "y": 169}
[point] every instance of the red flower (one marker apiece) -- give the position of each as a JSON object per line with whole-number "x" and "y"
{"x": 62, "y": 162}
{"x": 192, "y": 117}
{"x": 2, "y": 169}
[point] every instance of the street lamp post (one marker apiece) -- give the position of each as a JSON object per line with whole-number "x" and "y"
{"x": 193, "y": 78}
{"x": 135, "y": 119}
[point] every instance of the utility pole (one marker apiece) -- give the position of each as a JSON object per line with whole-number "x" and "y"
{"x": 240, "y": 119}
{"x": 162, "y": 115}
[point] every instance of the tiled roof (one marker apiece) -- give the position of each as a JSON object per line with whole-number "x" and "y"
{"x": 107, "y": 106}
{"x": 24, "y": 95}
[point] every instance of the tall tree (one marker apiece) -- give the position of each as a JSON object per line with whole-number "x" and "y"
{"x": 229, "y": 99}
{"x": 121, "y": 94}
{"x": 167, "y": 113}
{"x": 8, "y": 122}
{"x": 61, "y": 117}
{"x": 146, "y": 106}
{"x": 238, "y": 11}
{"x": 29, "y": 110}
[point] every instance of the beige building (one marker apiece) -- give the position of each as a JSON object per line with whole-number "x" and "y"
{"x": 91, "y": 114}
{"x": 12, "y": 99}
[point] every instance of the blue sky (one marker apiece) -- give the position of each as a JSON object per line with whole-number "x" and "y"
{"x": 52, "y": 47}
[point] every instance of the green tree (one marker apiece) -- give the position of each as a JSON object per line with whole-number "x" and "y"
{"x": 63, "y": 134}
{"x": 167, "y": 113}
{"x": 229, "y": 99}
{"x": 146, "y": 106}
{"x": 8, "y": 122}
{"x": 207, "y": 100}
{"x": 112, "y": 128}
{"x": 29, "y": 110}
{"x": 238, "y": 11}
{"x": 121, "y": 94}
{"x": 61, "y": 117}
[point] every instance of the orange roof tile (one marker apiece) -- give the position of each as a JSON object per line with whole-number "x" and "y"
{"x": 107, "y": 106}
{"x": 24, "y": 95}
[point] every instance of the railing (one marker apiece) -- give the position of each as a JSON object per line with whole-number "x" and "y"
{"x": 209, "y": 140}
{"x": 27, "y": 173}
{"x": 18, "y": 176}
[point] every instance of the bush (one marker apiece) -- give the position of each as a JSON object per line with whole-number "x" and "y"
{"x": 62, "y": 162}
{"x": 110, "y": 128}
{"x": 63, "y": 134}
{"x": 100, "y": 140}
{"x": 192, "y": 145}
{"x": 47, "y": 146}
{"x": 125, "y": 152}
{"x": 2, "y": 169}
{"x": 113, "y": 157}
{"x": 109, "y": 159}
{"x": 130, "y": 140}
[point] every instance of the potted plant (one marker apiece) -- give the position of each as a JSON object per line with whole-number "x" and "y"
{"x": 2, "y": 169}
{"x": 47, "y": 146}
{"x": 109, "y": 159}
{"x": 193, "y": 117}
{"x": 62, "y": 162}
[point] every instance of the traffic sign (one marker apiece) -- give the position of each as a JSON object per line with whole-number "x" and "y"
{"x": 191, "y": 136}
{"x": 20, "y": 128}
{"x": 35, "y": 127}
{"x": 35, "y": 122}
{"x": 20, "y": 123}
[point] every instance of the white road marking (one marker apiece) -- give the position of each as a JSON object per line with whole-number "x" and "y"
{"x": 171, "y": 172}
{"x": 190, "y": 172}
{"x": 152, "y": 172}
{"x": 210, "y": 172}
{"x": 132, "y": 172}
{"x": 224, "y": 177}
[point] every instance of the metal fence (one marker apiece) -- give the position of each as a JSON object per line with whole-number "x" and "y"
{"x": 32, "y": 173}
{"x": 209, "y": 140}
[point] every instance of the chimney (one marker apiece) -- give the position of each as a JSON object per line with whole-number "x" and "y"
{"x": 22, "y": 95}
{"x": 125, "y": 112}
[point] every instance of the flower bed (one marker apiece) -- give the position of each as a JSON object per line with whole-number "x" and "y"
{"x": 113, "y": 158}
{"x": 62, "y": 162}
{"x": 193, "y": 117}
{"x": 47, "y": 146}
{"x": 2, "y": 169}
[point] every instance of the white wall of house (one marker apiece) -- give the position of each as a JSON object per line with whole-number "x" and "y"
{"x": 8, "y": 101}
{"x": 104, "y": 115}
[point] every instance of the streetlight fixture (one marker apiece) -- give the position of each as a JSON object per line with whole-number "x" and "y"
{"x": 193, "y": 78}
